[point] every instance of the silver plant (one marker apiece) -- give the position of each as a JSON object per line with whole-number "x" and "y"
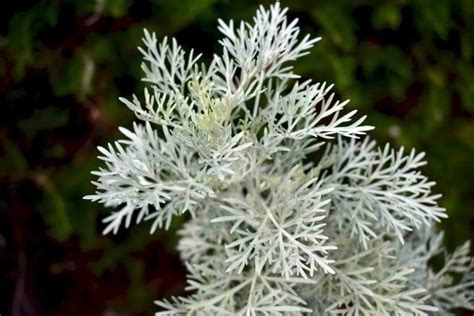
{"x": 273, "y": 229}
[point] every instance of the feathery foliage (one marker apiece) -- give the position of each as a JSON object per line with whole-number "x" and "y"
{"x": 275, "y": 230}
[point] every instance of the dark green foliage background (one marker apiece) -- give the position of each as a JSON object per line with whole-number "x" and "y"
{"x": 63, "y": 64}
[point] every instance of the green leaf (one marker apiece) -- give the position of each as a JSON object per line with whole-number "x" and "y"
{"x": 386, "y": 16}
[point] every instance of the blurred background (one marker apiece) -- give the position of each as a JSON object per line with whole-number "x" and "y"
{"x": 63, "y": 64}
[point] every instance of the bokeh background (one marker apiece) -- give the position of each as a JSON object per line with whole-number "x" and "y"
{"x": 63, "y": 65}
